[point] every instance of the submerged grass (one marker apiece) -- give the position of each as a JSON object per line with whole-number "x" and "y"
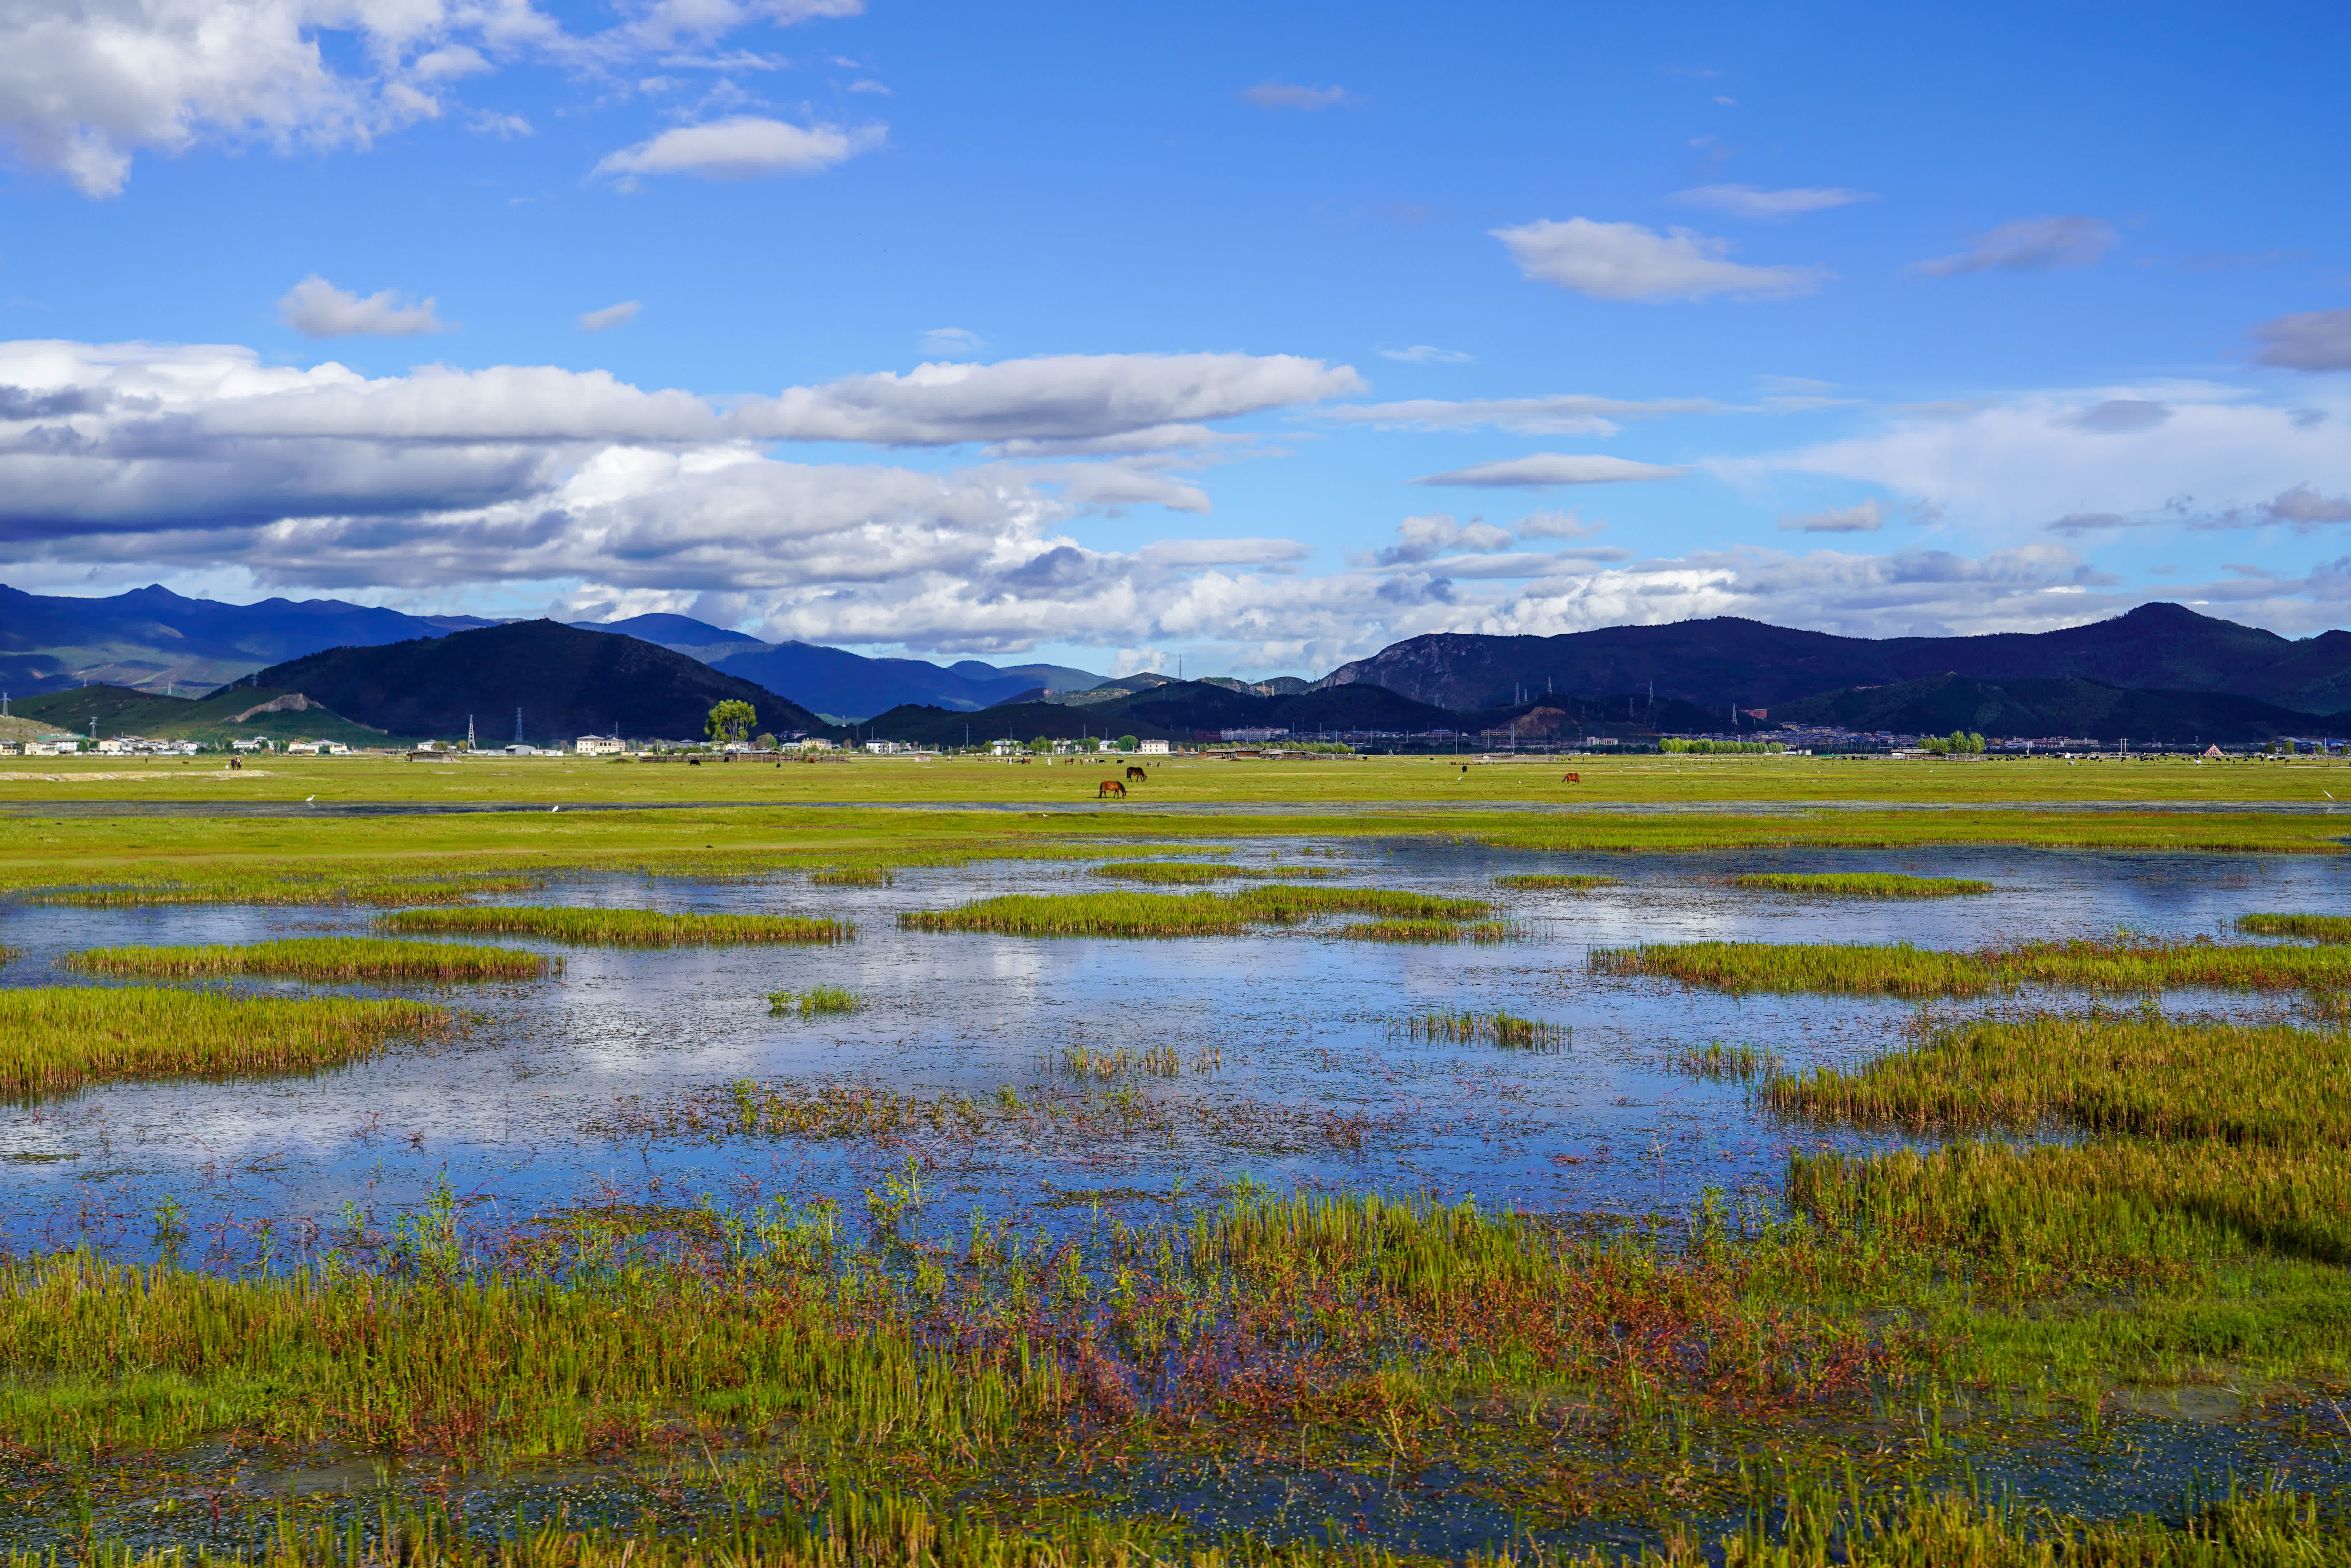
{"x": 1531, "y": 882}
{"x": 1182, "y": 915}
{"x": 58, "y": 1039}
{"x": 2315, "y": 927}
{"x": 1863, "y": 884}
{"x": 623, "y": 927}
{"x": 2124, "y": 964}
{"x": 852, "y": 876}
{"x": 1727, "y": 1063}
{"x": 322, "y": 958}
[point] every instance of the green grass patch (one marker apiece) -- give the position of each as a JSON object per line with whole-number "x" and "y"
{"x": 2312, "y": 927}
{"x": 1188, "y": 871}
{"x": 815, "y": 1001}
{"x": 262, "y": 888}
{"x": 1537, "y": 882}
{"x": 2125, "y": 963}
{"x": 1863, "y": 884}
{"x": 56, "y": 1040}
{"x": 321, "y": 958}
{"x": 1124, "y": 914}
{"x": 852, "y": 876}
{"x": 1429, "y": 931}
{"x": 623, "y": 927}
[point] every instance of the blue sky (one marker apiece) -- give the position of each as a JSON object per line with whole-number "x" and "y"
{"x": 1260, "y": 336}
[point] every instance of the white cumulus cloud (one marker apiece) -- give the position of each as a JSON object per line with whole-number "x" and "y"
{"x": 317, "y": 309}
{"x": 1626, "y": 261}
{"x": 742, "y": 147}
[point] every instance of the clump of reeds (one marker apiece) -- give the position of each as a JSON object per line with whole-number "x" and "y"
{"x": 852, "y": 876}
{"x": 814, "y": 1000}
{"x": 1194, "y": 871}
{"x": 322, "y": 958}
{"x": 1084, "y": 1062}
{"x": 1282, "y": 904}
{"x": 1429, "y": 931}
{"x": 56, "y": 1040}
{"x": 1727, "y": 1063}
{"x": 10, "y": 955}
{"x": 2315, "y": 927}
{"x": 1865, "y": 884}
{"x": 1534, "y": 882}
{"x": 623, "y": 927}
{"x": 1495, "y": 1029}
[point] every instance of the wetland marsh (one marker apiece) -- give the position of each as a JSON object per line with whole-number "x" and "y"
{"x": 1024, "y": 1218}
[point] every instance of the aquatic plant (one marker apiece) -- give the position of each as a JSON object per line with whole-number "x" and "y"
{"x": 1497, "y": 1029}
{"x": 1428, "y": 930}
{"x": 852, "y": 876}
{"x": 1531, "y": 882}
{"x": 54, "y": 1039}
{"x": 816, "y": 999}
{"x": 1863, "y": 884}
{"x": 1727, "y": 1063}
{"x": 273, "y": 889}
{"x": 622, "y": 927}
{"x": 321, "y": 958}
{"x": 1188, "y": 871}
{"x": 1179, "y": 915}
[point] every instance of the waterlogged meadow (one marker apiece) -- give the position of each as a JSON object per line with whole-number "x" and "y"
{"x": 948, "y": 1245}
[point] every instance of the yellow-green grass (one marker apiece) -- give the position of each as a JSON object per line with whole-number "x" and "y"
{"x": 852, "y": 876}
{"x": 1428, "y": 930}
{"x": 1202, "y": 870}
{"x": 55, "y": 1040}
{"x": 1497, "y": 1028}
{"x": 1536, "y": 881}
{"x": 2132, "y": 1075}
{"x": 814, "y": 1000}
{"x": 1863, "y": 884}
{"x": 263, "y": 888}
{"x": 1901, "y": 969}
{"x": 622, "y": 927}
{"x": 2312, "y": 927}
{"x": 1123, "y": 913}
{"x": 321, "y": 958}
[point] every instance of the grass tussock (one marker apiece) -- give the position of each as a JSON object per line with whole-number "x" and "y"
{"x": 815, "y": 1001}
{"x": 2311, "y": 928}
{"x": 1537, "y": 882}
{"x": 852, "y": 876}
{"x": 1429, "y": 931}
{"x": 270, "y": 890}
{"x": 1126, "y": 913}
{"x": 1863, "y": 884}
{"x": 1194, "y": 872}
{"x": 1495, "y": 1029}
{"x": 321, "y": 958}
{"x": 2122, "y": 964}
{"x": 623, "y": 927}
{"x": 61, "y": 1039}
{"x": 1723, "y": 1064}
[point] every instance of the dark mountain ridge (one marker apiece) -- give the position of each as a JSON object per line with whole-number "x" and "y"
{"x": 2028, "y": 708}
{"x": 1729, "y": 661}
{"x": 567, "y": 682}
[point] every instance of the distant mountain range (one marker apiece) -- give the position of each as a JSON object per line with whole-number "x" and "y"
{"x": 232, "y": 712}
{"x": 152, "y": 638}
{"x": 550, "y": 682}
{"x": 1941, "y": 704}
{"x": 1728, "y": 661}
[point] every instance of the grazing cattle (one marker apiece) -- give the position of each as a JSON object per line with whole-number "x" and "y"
{"x": 1111, "y": 787}
{"x": 1571, "y": 779}
{"x": 1135, "y": 775}
{"x": 236, "y": 762}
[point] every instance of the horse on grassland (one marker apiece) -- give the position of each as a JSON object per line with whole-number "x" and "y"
{"x": 1136, "y": 775}
{"x": 1111, "y": 787}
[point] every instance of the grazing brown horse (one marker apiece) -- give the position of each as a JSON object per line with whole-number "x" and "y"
{"x": 1571, "y": 779}
{"x": 1111, "y": 787}
{"x": 1136, "y": 775}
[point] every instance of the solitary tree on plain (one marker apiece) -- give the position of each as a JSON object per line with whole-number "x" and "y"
{"x": 730, "y": 721}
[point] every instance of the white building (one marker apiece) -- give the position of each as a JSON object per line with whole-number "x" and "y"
{"x": 1253, "y": 734}
{"x": 598, "y": 745}
{"x": 1153, "y": 749}
{"x": 318, "y": 748}
{"x": 1005, "y": 748}
{"x": 259, "y": 743}
{"x": 888, "y": 748}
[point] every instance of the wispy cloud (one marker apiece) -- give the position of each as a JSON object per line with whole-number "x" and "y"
{"x": 611, "y": 316}
{"x": 1545, "y": 469}
{"x": 2306, "y": 340}
{"x": 2028, "y": 244}
{"x": 1276, "y": 94}
{"x": 743, "y": 147}
{"x": 1426, "y": 354}
{"x": 317, "y": 309}
{"x": 1753, "y": 202}
{"x": 1626, "y": 261}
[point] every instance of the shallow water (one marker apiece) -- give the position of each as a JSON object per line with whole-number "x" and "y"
{"x": 1316, "y": 1085}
